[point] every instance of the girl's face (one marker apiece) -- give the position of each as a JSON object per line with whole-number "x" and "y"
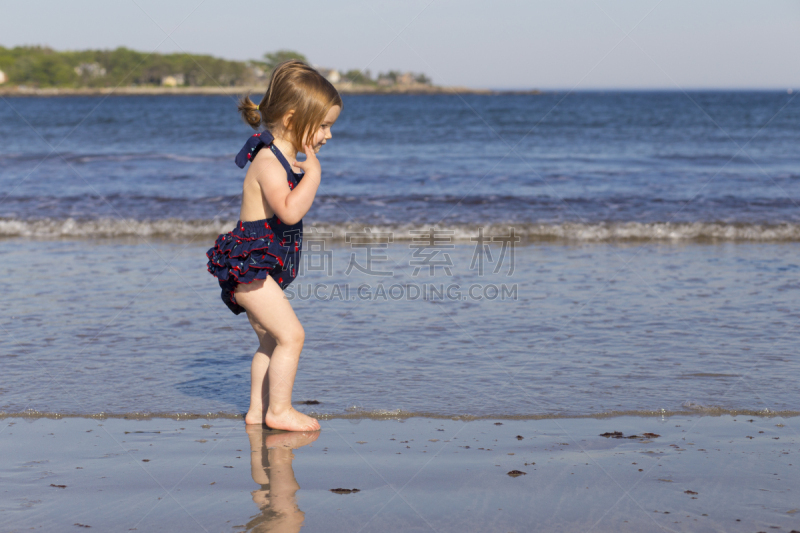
{"x": 322, "y": 134}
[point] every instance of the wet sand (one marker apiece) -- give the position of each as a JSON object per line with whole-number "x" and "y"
{"x": 680, "y": 473}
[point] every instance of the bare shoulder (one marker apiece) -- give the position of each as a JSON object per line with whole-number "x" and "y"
{"x": 266, "y": 168}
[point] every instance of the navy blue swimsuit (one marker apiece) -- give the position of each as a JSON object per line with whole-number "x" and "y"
{"x": 257, "y": 248}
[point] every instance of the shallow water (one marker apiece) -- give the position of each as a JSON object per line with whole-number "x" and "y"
{"x": 580, "y": 330}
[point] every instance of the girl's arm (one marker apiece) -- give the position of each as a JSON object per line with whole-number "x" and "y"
{"x": 290, "y": 205}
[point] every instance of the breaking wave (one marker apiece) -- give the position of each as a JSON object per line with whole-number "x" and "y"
{"x": 183, "y": 230}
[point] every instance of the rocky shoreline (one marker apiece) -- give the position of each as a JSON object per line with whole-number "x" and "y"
{"x": 207, "y": 91}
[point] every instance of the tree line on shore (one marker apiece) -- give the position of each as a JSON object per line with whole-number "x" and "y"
{"x": 43, "y": 67}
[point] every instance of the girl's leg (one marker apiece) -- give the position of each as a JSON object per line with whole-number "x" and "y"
{"x": 266, "y": 303}
{"x": 259, "y": 384}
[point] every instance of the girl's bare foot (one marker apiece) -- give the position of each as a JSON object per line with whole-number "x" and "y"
{"x": 291, "y": 420}
{"x": 254, "y": 417}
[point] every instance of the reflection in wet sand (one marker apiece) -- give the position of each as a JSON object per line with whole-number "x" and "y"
{"x": 271, "y": 466}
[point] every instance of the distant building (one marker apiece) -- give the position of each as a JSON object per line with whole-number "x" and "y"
{"x": 331, "y": 74}
{"x": 406, "y": 78}
{"x": 402, "y": 79}
{"x": 3, "y": 78}
{"x": 258, "y": 72}
{"x": 173, "y": 81}
{"x": 90, "y": 70}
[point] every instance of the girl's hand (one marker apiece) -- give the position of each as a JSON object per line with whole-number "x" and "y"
{"x": 311, "y": 164}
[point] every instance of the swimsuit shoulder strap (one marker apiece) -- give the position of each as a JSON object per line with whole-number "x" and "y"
{"x": 255, "y": 143}
{"x": 282, "y": 159}
{"x": 252, "y": 146}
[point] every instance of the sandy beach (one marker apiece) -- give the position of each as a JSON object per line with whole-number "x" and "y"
{"x": 167, "y": 474}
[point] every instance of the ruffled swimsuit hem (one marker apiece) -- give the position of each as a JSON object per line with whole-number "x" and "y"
{"x": 243, "y": 256}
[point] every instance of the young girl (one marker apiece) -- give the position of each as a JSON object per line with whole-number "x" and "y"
{"x": 260, "y": 257}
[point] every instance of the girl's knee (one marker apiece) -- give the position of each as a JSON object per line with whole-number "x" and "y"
{"x": 294, "y": 337}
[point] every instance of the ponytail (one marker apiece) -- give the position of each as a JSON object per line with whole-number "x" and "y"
{"x": 249, "y": 111}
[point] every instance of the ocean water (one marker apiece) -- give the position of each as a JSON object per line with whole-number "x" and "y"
{"x": 650, "y": 261}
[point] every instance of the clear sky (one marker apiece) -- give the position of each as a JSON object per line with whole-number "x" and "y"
{"x": 563, "y": 44}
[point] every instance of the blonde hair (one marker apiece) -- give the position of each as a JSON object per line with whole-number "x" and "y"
{"x": 293, "y": 86}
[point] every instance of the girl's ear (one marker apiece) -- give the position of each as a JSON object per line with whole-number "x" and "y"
{"x": 287, "y": 120}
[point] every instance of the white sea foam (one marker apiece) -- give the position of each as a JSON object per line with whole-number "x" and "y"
{"x": 182, "y": 230}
